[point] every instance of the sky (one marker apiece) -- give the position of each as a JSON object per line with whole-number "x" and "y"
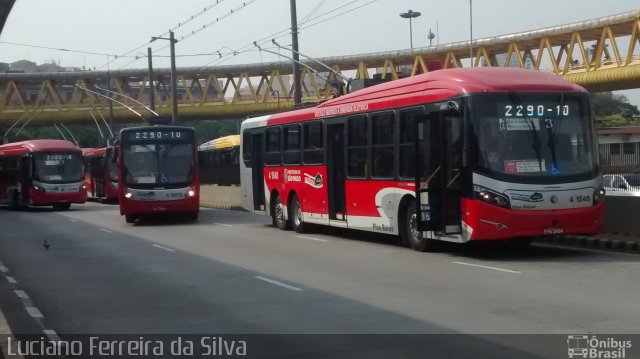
{"x": 124, "y": 27}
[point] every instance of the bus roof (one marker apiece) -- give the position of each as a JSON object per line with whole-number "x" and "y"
{"x": 221, "y": 142}
{"x": 431, "y": 87}
{"x": 88, "y": 152}
{"x": 37, "y": 146}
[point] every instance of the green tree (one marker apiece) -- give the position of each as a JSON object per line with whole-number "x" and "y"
{"x": 614, "y": 110}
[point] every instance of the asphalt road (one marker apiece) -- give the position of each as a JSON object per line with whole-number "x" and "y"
{"x": 232, "y": 273}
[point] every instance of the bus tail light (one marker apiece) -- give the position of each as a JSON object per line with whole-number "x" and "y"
{"x": 491, "y": 197}
{"x": 598, "y": 195}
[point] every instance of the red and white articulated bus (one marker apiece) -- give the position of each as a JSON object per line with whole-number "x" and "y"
{"x": 41, "y": 173}
{"x": 455, "y": 155}
{"x": 158, "y": 171}
{"x": 101, "y": 173}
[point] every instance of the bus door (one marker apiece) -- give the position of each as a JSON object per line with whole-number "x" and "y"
{"x": 439, "y": 172}
{"x": 336, "y": 171}
{"x": 97, "y": 172}
{"x": 257, "y": 170}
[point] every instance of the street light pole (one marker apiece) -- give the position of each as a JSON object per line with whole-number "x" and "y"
{"x": 297, "y": 93}
{"x": 152, "y": 92}
{"x": 471, "y": 33}
{"x": 174, "y": 85}
{"x": 410, "y": 15}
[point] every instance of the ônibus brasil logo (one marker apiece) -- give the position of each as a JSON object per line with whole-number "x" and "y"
{"x": 583, "y": 346}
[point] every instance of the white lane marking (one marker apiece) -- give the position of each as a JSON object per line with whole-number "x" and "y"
{"x": 21, "y": 294}
{"x": 223, "y": 224}
{"x": 105, "y": 230}
{"x": 12, "y": 280}
{"x": 72, "y": 220}
{"x": 3, "y": 269}
{"x": 275, "y": 282}
{"x": 487, "y": 267}
{"x": 313, "y": 239}
{"x": 34, "y": 312}
{"x": 163, "y": 248}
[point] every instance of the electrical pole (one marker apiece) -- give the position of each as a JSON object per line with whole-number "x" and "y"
{"x": 174, "y": 85}
{"x": 297, "y": 93}
{"x": 152, "y": 92}
{"x": 471, "y": 32}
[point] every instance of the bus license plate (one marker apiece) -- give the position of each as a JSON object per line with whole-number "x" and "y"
{"x": 553, "y": 231}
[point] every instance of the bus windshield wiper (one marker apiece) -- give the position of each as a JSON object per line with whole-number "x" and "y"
{"x": 536, "y": 144}
{"x": 551, "y": 143}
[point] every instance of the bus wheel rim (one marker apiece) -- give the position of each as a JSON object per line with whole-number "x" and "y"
{"x": 279, "y": 211}
{"x": 413, "y": 227}
{"x": 298, "y": 214}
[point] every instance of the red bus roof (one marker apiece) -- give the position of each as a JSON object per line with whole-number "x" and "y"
{"x": 431, "y": 87}
{"x": 88, "y": 152}
{"x": 37, "y": 146}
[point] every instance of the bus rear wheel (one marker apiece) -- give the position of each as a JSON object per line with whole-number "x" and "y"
{"x": 411, "y": 235}
{"x": 297, "y": 221}
{"x": 130, "y": 218}
{"x": 278, "y": 213}
{"x": 62, "y": 206}
{"x": 15, "y": 200}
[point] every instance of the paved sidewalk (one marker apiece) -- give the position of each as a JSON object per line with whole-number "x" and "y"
{"x": 611, "y": 241}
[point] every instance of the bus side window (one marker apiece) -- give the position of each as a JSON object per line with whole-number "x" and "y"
{"x": 407, "y": 139}
{"x": 313, "y": 143}
{"x": 292, "y": 145}
{"x": 272, "y": 147}
{"x": 246, "y": 148}
{"x": 357, "y": 134}
{"x": 383, "y": 145}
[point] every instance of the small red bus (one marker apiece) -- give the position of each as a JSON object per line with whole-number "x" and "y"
{"x": 158, "y": 171}
{"x": 101, "y": 173}
{"x": 41, "y": 173}
{"x": 453, "y": 155}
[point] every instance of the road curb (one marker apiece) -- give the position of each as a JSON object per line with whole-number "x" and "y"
{"x": 629, "y": 246}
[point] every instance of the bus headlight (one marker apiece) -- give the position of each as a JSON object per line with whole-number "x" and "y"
{"x": 491, "y": 197}
{"x": 598, "y": 195}
{"x": 191, "y": 193}
{"x": 128, "y": 195}
{"x": 39, "y": 188}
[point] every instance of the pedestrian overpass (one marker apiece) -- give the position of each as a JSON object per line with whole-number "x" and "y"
{"x": 600, "y": 54}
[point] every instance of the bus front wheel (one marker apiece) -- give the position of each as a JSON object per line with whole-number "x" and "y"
{"x": 130, "y": 218}
{"x": 278, "y": 214}
{"x": 412, "y": 236}
{"x": 296, "y": 215}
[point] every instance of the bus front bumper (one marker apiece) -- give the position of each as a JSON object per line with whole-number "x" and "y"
{"x": 486, "y": 222}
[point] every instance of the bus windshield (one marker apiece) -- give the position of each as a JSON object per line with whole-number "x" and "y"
{"x": 158, "y": 163}
{"x": 539, "y": 138}
{"x": 56, "y": 167}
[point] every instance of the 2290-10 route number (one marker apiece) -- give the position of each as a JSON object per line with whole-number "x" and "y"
{"x": 580, "y": 199}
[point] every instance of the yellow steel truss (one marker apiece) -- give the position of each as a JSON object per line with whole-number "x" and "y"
{"x": 600, "y": 54}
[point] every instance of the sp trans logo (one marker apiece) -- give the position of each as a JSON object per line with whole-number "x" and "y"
{"x": 584, "y": 346}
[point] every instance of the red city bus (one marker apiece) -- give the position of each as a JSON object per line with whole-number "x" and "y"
{"x": 158, "y": 171}
{"x": 454, "y": 155}
{"x": 101, "y": 173}
{"x": 41, "y": 173}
